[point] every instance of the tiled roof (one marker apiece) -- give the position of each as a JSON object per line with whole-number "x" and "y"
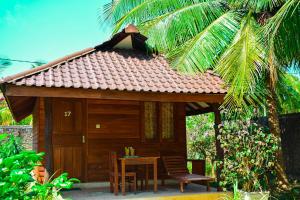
{"x": 116, "y": 69}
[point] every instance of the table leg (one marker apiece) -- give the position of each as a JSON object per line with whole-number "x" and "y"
{"x": 116, "y": 186}
{"x": 123, "y": 176}
{"x": 147, "y": 178}
{"x": 155, "y": 175}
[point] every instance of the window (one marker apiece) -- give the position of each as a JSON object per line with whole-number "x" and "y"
{"x": 167, "y": 121}
{"x": 150, "y": 116}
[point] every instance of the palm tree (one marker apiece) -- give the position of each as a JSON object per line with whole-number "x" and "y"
{"x": 249, "y": 43}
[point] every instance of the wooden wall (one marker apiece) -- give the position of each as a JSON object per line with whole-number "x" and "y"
{"x": 39, "y": 125}
{"x": 85, "y": 130}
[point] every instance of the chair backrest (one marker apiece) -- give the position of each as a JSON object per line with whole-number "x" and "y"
{"x": 175, "y": 165}
{"x": 113, "y": 162}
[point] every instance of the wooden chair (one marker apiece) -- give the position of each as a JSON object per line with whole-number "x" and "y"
{"x": 115, "y": 175}
{"x": 176, "y": 168}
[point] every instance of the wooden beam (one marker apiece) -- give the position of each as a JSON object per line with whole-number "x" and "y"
{"x": 200, "y": 111}
{"x": 17, "y": 106}
{"x": 13, "y": 90}
{"x": 48, "y": 135}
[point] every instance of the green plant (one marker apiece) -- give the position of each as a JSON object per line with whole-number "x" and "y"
{"x": 249, "y": 155}
{"x": 201, "y": 140}
{"x": 293, "y": 194}
{"x": 235, "y": 196}
{"x": 51, "y": 188}
{"x": 6, "y": 117}
{"x": 16, "y": 165}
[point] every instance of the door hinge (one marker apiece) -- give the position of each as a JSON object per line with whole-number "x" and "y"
{"x": 83, "y": 139}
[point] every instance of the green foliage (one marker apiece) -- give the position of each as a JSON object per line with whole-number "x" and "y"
{"x": 6, "y": 117}
{"x": 288, "y": 92}
{"x": 282, "y": 34}
{"x": 250, "y": 154}
{"x": 51, "y": 188}
{"x": 293, "y": 194}
{"x": 16, "y": 165}
{"x": 201, "y": 140}
{"x": 241, "y": 65}
{"x": 235, "y": 196}
{"x": 201, "y": 136}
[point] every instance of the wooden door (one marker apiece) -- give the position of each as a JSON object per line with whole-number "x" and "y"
{"x": 111, "y": 125}
{"x": 68, "y": 137}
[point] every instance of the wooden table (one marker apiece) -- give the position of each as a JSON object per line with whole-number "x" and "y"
{"x": 139, "y": 161}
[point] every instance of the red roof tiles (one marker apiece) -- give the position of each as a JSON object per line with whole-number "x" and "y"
{"x": 107, "y": 68}
{"x": 117, "y": 69}
{"x": 129, "y": 70}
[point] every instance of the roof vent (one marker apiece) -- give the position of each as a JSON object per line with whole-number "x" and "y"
{"x": 128, "y": 38}
{"x": 126, "y": 43}
{"x": 131, "y": 29}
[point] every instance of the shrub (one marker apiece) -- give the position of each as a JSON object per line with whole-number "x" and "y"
{"x": 16, "y": 165}
{"x": 201, "y": 140}
{"x": 249, "y": 155}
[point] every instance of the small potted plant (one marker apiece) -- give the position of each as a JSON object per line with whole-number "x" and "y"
{"x": 249, "y": 157}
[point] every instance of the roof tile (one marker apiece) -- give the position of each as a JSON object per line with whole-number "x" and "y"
{"x": 130, "y": 70}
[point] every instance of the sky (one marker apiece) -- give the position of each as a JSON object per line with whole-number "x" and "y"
{"x": 44, "y": 30}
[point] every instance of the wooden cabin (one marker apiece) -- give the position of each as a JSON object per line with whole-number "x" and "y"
{"x": 106, "y": 98}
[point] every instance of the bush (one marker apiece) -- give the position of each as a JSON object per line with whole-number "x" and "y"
{"x": 201, "y": 140}
{"x": 249, "y": 155}
{"x": 16, "y": 165}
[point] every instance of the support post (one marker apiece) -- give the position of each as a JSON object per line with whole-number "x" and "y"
{"x": 48, "y": 136}
{"x": 219, "y": 150}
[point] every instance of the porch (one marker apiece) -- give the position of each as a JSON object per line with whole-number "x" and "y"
{"x": 100, "y": 190}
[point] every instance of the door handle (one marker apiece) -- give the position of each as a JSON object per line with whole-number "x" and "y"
{"x": 83, "y": 139}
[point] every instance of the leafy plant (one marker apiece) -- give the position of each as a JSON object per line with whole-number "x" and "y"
{"x": 6, "y": 117}
{"x": 51, "y": 188}
{"x": 235, "y": 196}
{"x": 293, "y": 194}
{"x": 16, "y": 165}
{"x": 249, "y": 155}
{"x": 201, "y": 140}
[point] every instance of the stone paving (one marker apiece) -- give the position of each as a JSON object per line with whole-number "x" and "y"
{"x": 93, "y": 191}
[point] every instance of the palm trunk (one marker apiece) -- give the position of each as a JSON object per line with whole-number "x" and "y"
{"x": 275, "y": 130}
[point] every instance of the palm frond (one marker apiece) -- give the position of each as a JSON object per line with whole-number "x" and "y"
{"x": 282, "y": 32}
{"x": 115, "y": 9}
{"x": 202, "y": 51}
{"x": 288, "y": 92}
{"x": 256, "y": 5}
{"x": 176, "y": 27}
{"x": 146, "y": 10}
{"x": 242, "y": 67}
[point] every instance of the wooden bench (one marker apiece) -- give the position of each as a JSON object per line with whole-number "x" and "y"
{"x": 176, "y": 168}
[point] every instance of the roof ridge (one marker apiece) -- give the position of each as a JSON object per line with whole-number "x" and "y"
{"x": 46, "y": 66}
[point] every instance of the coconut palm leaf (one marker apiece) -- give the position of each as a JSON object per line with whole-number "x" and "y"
{"x": 288, "y": 92}
{"x": 145, "y": 10}
{"x": 242, "y": 65}
{"x": 256, "y": 5}
{"x": 201, "y": 52}
{"x": 177, "y": 27}
{"x": 282, "y": 38}
{"x": 115, "y": 9}
{"x": 282, "y": 31}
